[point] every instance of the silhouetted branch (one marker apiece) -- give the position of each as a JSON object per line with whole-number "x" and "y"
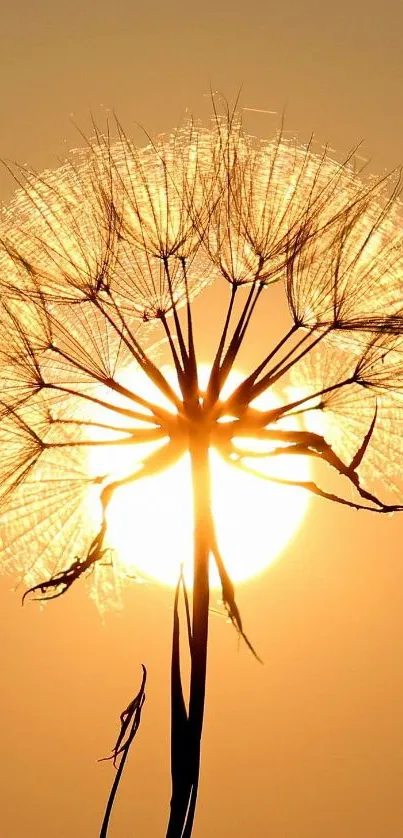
{"x": 129, "y": 725}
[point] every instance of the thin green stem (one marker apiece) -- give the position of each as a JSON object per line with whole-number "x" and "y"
{"x": 178, "y": 326}
{"x": 175, "y": 357}
{"x": 213, "y": 388}
{"x": 240, "y": 394}
{"x": 270, "y": 378}
{"x": 256, "y": 419}
{"x": 121, "y": 411}
{"x": 234, "y": 345}
{"x": 145, "y": 363}
{"x": 191, "y": 364}
{"x": 114, "y": 385}
{"x": 138, "y": 437}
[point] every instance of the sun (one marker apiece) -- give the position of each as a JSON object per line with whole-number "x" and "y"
{"x": 150, "y": 523}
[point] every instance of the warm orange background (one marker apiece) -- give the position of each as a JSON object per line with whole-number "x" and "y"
{"x": 310, "y": 745}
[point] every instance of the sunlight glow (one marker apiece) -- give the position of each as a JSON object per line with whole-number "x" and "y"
{"x": 150, "y": 522}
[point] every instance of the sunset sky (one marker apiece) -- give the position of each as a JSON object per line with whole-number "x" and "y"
{"x": 309, "y": 744}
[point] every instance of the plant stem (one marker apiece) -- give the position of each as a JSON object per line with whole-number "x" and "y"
{"x": 185, "y": 752}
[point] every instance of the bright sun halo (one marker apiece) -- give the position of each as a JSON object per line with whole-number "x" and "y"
{"x": 150, "y": 523}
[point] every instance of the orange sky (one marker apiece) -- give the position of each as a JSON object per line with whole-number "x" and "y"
{"x": 309, "y": 745}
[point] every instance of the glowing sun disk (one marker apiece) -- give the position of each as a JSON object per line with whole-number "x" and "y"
{"x": 150, "y": 522}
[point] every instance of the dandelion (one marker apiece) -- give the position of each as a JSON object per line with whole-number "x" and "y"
{"x": 101, "y": 262}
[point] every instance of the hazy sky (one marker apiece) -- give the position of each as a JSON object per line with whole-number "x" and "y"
{"x": 309, "y": 745}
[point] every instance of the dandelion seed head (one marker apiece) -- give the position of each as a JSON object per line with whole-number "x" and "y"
{"x": 102, "y": 257}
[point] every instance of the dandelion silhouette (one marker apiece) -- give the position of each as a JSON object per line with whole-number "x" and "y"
{"x": 100, "y": 261}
